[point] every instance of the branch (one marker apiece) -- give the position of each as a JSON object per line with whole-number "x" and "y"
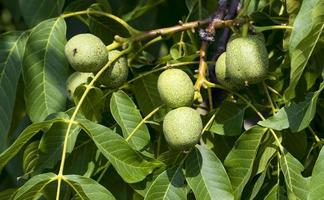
{"x": 223, "y": 39}
{"x": 168, "y": 30}
{"x": 221, "y": 46}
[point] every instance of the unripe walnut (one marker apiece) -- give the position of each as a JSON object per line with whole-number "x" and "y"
{"x": 86, "y": 53}
{"x": 175, "y": 88}
{"x": 220, "y": 71}
{"x": 246, "y": 60}
{"x": 76, "y": 79}
{"x": 182, "y": 128}
{"x": 116, "y": 74}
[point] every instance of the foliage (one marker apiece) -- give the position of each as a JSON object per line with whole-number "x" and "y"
{"x": 261, "y": 141}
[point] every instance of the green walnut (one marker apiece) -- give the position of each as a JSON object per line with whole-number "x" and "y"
{"x": 175, "y": 88}
{"x": 182, "y": 128}
{"x": 246, "y": 60}
{"x": 259, "y": 36}
{"x": 76, "y": 79}
{"x": 86, "y": 53}
{"x": 220, "y": 71}
{"x": 116, "y": 74}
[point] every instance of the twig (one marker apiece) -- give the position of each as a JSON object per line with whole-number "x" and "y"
{"x": 168, "y": 30}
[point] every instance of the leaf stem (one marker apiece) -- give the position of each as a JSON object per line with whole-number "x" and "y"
{"x": 113, "y": 45}
{"x": 281, "y": 148}
{"x": 245, "y": 30}
{"x": 130, "y": 29}
{"x": 274, "y": 91}
{"x": 207, "y": 126}
{"x": 269, "y": 98}
{"x": 106, "y": 167}
{"x": 71, "y": 121}
{"x": 317, "y": 139}
{"x": 158, "y": 148}
{"x": 266, "y": 28}
{"x": 74, "y": 14}
{"x": 157, "y": 39}
{"x": 130, "y": 135}
{"x": 143, "y": 121}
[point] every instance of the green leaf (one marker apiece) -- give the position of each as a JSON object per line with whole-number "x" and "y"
{"x": 147, "y": 95}
{"x": 104, "y": 27}
{"x": 12, "y": 47}
{"x": 76, "y": 164}
{"x": 35, "y": 11}
{"x": 258, "y": 184}
{"x": 275, "y": 193}
{"x": 239, "y": 162}
{"x": 168, "y": 185}
{"x": 295, "y": 182}
{"x": 34, "y": 186}
{"x": 316, "y": 186}
{"x": 298, "y": 148}
{"x": 182, "y": 51}
{"x": 87, "y": 188}
{"x": 30, "y": 158}
{"x": 77, "y": 5}
{"x": 45, "y": 69}
{"x": 206, "y": 175}
{"x": 23, "y": 138}
{"x": 93, "y": 103}
{"x": 8, "y": 193}
{"x": 228, "y": 120}
{"x": 191, "y": 4}
{"x": 296, "y": 116}
{"x": 308, "y": 27}
{"x": 128, "y": 117}
{"x": 130, "y": 165}
{"x": 142, "y": 187}
{"x": 141, "y": 8}
{"x": 51, "y": 144}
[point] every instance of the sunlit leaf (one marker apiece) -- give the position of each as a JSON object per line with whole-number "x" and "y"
{"x": 35, "y": 11}
{"x": 206, "y": 175}
{"x": 30, "y": 157}
{"x": 168, "y": 185}
{"x": 86, "y": 188}
{"x": 295, "y": 182}
{"x": 316, "y": 186}
{"x": 296, "y": 116}
{"x": 45, "y": 69}
{"x": 240, "y": 160}
{"x": 130, "y": 165}
{"x": 34, "y": 187}
{"x": 93, "y": 103}
{"x": 308, "y": 27}
{"x": 275, "y": 193}
{"x": 128, "y": 117}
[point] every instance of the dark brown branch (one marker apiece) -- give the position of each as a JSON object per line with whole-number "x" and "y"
{"x": 201, "y": 80}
